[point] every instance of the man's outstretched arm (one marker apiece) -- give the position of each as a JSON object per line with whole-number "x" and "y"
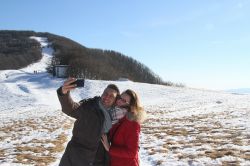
{"x": 69, "y": 107}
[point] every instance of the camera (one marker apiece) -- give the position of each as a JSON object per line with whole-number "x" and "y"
{"x": 79, "y": 82}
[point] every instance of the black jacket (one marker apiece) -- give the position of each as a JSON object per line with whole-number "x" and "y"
{"x": 85, "y": 147}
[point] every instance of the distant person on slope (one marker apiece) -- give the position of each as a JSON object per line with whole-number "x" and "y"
{"x": 92, "y": 120}
{"x": 124, "y": 134}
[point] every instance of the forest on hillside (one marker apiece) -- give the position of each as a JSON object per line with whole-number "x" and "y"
{"x": 18, "y": 50}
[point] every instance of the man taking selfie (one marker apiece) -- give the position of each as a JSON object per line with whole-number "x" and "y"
{"x": 92, "y": 120}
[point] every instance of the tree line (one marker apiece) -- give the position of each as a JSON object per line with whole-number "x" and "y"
{"x": 19, "y": 50}
{"x": 99, "y": 64}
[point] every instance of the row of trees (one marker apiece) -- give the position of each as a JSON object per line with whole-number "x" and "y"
{"x": 17, "y": 50}
{"x": 99, "y": 64}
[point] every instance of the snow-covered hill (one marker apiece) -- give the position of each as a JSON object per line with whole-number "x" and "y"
{"x": 184, "y": 127}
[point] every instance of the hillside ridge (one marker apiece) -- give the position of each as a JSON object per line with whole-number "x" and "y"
{"x": 18, "y": 50}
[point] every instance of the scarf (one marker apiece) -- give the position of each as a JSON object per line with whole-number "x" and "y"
{"x": 107, "y": 124}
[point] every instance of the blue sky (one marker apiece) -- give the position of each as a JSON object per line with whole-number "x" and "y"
{"x": 202, "y": 44}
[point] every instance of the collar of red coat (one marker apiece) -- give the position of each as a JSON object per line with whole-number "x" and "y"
{"x": 123, "y": 119}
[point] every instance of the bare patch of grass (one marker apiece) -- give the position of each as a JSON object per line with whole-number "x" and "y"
{"x": 159, "y": 135}
{"x": 33, "y": 159}
{"x": 159, "y": 162}
{"x": 151, "y": 152}
{"x": 182, "y": 156}
{"x": 178, "y": 132}
{"x": 61, "y": 139}
{"x": 39, "y": 150}
{"x": 237, "y": 141}
{"x": 2, "y": 154}
{"x": 165, "y": 146}
{"x": 35, "y": 149}
{"x": 67, "y": 126}
{"x": 148, "y": 147}
{"x": 201, "y": 133}
{"x": 2, "y": 138}
{"x": 230, "y": 163}
{"x": 214, "y": 154}
{"x": 245, "y": 155}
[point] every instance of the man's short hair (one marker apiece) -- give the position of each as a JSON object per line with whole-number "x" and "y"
{"x": 114, "y": 87}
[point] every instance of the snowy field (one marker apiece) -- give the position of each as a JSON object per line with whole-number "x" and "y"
{"x": 185, "y": 126}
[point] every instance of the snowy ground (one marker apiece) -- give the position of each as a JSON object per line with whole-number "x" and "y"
{"x": 184, "y": 127}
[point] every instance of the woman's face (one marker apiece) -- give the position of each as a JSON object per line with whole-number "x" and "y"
{"x": 123, "y": 100}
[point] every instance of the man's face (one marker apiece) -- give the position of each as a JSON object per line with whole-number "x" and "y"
{"x": 108, "y": 97}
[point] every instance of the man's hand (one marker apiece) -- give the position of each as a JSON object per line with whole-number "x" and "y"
{"x": 66, "y": 85}
{"x": 105, "y": 142}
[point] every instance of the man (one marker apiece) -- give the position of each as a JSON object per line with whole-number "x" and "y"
{"x": 92, "y": 120}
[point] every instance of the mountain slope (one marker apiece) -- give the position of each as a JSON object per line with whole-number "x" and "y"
{"x": 18, "y": 50}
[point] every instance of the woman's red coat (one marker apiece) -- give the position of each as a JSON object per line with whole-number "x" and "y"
{"x": 124, "y": 137}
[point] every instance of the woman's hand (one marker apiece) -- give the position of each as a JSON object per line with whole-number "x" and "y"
{"x": 105, "y": 142}
{"x": 67, "y": 85}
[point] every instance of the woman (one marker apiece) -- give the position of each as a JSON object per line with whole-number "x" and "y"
{"x": 124, "y": 135}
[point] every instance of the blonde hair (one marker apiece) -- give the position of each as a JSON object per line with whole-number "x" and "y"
{"x": 136, "y": 111}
